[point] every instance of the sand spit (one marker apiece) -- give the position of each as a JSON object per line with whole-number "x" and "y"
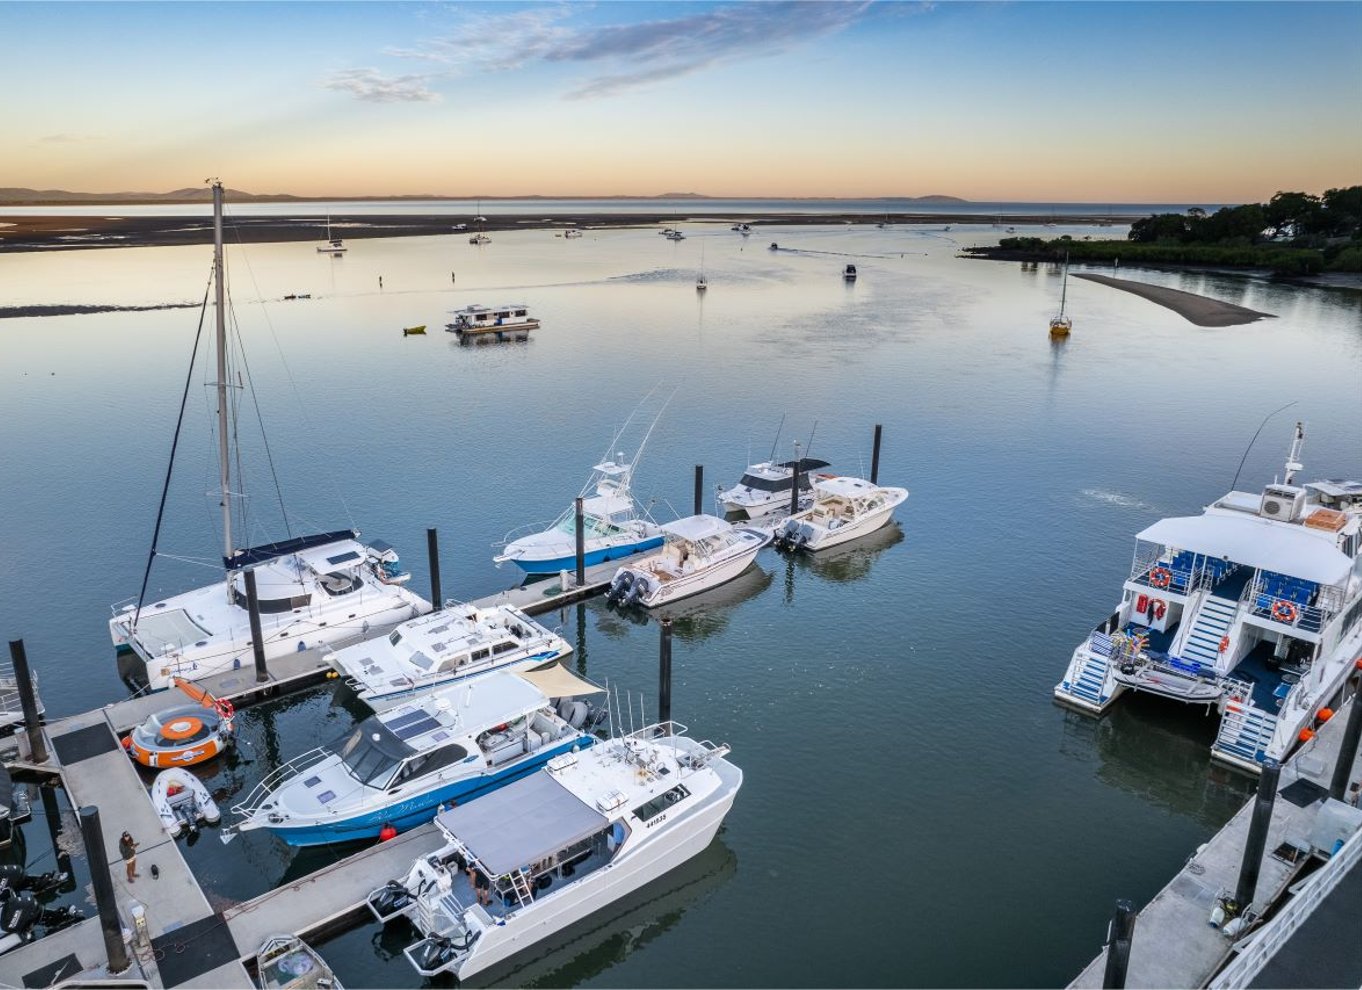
{"x": 1201, "y": 310}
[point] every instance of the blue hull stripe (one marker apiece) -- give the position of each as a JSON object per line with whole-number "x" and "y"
{"x": 591, "y": 557}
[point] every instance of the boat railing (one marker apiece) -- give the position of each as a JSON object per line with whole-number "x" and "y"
{"x": 529, "y": 529}
{"x": 125, "y": 605}
{"x": 250, "y": 805}
{"x": 1288, "y": 612}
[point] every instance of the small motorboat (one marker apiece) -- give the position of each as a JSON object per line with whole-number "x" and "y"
{"x": 286, "y": 962}
{"x": 184, "y": 735}
{"x": 700, "y": 552}
{"x": 182, "y": 801}
{"x": 843, "y": 509}
{"x": 414, "y": 331}
{"x": 775, "y": 246}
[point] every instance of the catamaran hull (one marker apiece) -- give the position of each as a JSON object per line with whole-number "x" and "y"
{"x": 600, "y": 555}
{"x": 419, "y": 810}
{"x": 603, "y": 887}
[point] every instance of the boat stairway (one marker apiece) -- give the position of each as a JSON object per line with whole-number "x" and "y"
{"x": 1087, "y": 682}
{"x": 1245, "y": 730}
{"x": 1211, "y": 628}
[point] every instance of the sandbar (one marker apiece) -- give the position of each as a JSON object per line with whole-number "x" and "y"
{"x": 1200, "y": 310}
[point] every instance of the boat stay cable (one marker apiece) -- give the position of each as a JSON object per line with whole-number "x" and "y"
{"x": 264, "y": 437}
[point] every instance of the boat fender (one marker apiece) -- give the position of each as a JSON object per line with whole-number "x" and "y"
{"x": 388, "y": 831}
{"x": 1325, "y": 714}
{"x": 1160, "y": 608}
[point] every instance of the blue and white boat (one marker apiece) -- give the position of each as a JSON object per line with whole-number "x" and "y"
{"x": 458, "y": 642}
{"x": 1253, "y": 607}
{"x": 395, "y": 769}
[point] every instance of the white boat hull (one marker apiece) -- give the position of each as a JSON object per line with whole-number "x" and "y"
{"x": 664, "y": 592}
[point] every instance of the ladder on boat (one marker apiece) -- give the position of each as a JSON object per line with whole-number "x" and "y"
{"x": 1086, "y": 683}
{"x": 1212, "y": 627}
{"x": 520, "y": 883}
{"x": 1245, "y": 730}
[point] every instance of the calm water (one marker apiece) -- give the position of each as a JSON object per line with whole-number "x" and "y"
{"x": 916, "y": 810}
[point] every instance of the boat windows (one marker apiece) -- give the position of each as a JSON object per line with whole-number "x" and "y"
{"x": 482, "y": 654}
{"x": 770, "y": 484}
{"x": 271, "y": 606}
{"x": 520, "y": 312}
{"x": 505, "y": 646}
{"x": 371, "y": 753}
{"x": 659, "y": 804}
{"x": 445, "y": 756}
{"x": 395, "y": 638}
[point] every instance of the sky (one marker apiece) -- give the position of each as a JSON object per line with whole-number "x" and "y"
{"x": 1002, "y": 101}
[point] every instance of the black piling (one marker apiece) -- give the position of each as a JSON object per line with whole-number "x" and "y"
{"x": 28, "y": 698}
{"x": 794, "y": 480}
{"x": 699, "y": 489}
{"x": 1352, "y": 734}
{"x": 98, "y": 860}
{"x": 433, "y": 552}
{"x": 664, "y": 672}
{"x": 875, "y": 456}
{"x": 262, "y": 673}
{"x": 1257, "y": 835}
{"x": 580, "y": 529}
{"x": 1119, "y": 936}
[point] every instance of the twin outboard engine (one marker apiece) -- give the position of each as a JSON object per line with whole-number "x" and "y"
{"x": 13, "y": 877}
{"x": 390, "y": 900}
{"x": 791, "y": 536}
{"x": 620, "y": 588}
{"x": 21, "y": 913}
{"x": 437, "y": 953}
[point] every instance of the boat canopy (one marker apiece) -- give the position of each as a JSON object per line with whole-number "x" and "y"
{"x": 333, "y": 557}
{"x": 696, "y": 528}
{"x": 558, "y": 682}
{"x": 846, "y": 487}
{"x": 268, "y": 551}
{"x": 1261, "y": 543}
{"x": 805, "y": 464}
{"x": 478, "y": 703}
{"x": 522, "y": 823}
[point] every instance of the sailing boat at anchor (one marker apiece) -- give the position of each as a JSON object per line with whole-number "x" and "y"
{"x": 1060, "y": 325}
{"x": 326, "y": 589}
{"x": 333, "y": 245}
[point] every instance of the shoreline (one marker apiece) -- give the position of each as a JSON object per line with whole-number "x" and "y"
{"x": 1203, "y": 311}
{"x": 68, "y": 233}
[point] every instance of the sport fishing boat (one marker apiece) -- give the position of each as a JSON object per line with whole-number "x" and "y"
{"x": 1254, "y": 606}
{"x": 699, "y": 553}
{"x": 512, "y": 322}
{"x": 765, "y": 488}
{"x": 392, "y": 771}
{"x": 843, "y": 509}
{"x": 558, "y": 846}
{"x": 317, "y": 590}
{"x": 435, "y": 650}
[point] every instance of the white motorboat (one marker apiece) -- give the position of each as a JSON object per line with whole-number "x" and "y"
{"x": 699, "y": 553}
{"x": 480, "y": 238}
{"x": 742, "y": 228}
{"x": 394, "y": 769}
{"x": 1254, "y": 606}
{"x": 182, "y": 801}
{"x": 332, "y": 245}
{"x": 849, "y": 273}
{"x": 317, "y": 590}
{"x": 843, "y": 509}
{"x": 765, "y": 487}
{"x": 286, "y": 962}
{"x": 559, "y": 846}
{"x": 510, "y": 322}
{"x": 675, "y": 235}
{"x": 435, "y": 650}
{"x": 571, "y": 233}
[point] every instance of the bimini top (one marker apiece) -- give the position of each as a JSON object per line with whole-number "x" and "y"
{"x": 521, "y": 823}
{"x": 1261, "y": 543}
{"x": 696, "y": 528}
{"x": 845, "y": 486}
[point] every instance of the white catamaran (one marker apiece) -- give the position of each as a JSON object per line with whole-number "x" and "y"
{"x": 1254, "y": 606}
{"x": 317, "y": 590}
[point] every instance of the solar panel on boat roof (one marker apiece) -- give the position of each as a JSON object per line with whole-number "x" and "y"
{"x": 343, "y": 558}
{"x": 440, "y": 629}
{"x": 416, "y": 728}
{"x": 415, "y": 715}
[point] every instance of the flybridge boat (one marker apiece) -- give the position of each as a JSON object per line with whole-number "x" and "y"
{"x": 323, "y": 589}
{"x": 1254, "y": 606}
{"x": 558, "y": 846}
{"x": 843, "y": 509}
{"x": 435, "y": 650}
{"x": 765, "y": 488}
{"x": 394, "y": 769}
{"x": 700, "y": 552}
{"x": 503, "y": 322}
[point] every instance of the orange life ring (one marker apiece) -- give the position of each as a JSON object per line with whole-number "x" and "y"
{"x": 184, "y": 727}
{"x": 1160, "y": 577}
{"x": 1284, "y": 611}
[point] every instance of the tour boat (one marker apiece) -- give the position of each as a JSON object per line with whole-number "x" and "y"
{"x": 1254, "y": 606}
{"x": 182, "y": 801}
{"x": 843, "y": 509}
{"x": 1060, "y": 325}
{"x": 699, "y": 553}
{"x": 457, "y": 642}
{"x": 558, "y": 846}
{"x": 393, "y": 770}
{"x": 317, "y": 590}
{"x": 286, "y": 962}
{"x": 511, "y": 322}
{"x": 765, "y": 488}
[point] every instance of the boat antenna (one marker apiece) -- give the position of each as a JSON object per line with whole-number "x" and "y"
{"x": 776, "y": 441}
{"x": 1255, "y": 439}
{"x": 224, "y": 455}
{"x": 1293, "y": 458}
{"x": 614, "y": 440}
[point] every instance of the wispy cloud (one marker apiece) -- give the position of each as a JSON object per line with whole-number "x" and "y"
{"x": 496, "y": 42}
{"x": 69, "y": 138}
{"x": 373, "y": 86}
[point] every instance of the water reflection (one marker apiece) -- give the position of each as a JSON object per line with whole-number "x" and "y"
{"x": 852, "y": 561}
{"x": 704, "y": 615}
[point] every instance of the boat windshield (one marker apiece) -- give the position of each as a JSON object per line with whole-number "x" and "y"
{"x": 766, "y": 484}
{"x": 371, "y": 752}
{"x": 594, "y": 526}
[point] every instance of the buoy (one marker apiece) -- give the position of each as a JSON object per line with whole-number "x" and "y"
{"x": 1325, "y": 714}
{"x": 1306, "y": 734}
{"x": 387, "y": 832}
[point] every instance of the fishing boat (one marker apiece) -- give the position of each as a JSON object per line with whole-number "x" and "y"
{"x": 699, "y": 553}
{"x": 332, "y": 245}
{"x": 316, "y": 590}
{"x": 181, "y": 801}
{"x": 1060, "y": 325}
{"x": 843, "y": 509}
{"x": 1253, "y": 607}
{"x": 765, "y": 488}
{"x": 286, "y": 962}
{"x": 414, "y": 331}
{"x": 510, "y": 322}
{"x": 392, "y": 771}
{"x": 183, "y": 735}
{"x": 849, "y": 273}
{"x": 435, "y": 650}
{"x": 558, "y": 846}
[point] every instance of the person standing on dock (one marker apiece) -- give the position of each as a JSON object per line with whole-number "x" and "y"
{"x": 127, "y": 848}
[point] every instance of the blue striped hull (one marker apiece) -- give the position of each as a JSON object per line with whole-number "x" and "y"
{"x": 591, "y": 557}
{"x": 418, "y": 810}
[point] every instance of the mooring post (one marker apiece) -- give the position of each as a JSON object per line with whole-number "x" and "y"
{"x": 1257, "y": 835}
{"x": 1352, "y": 734}
{"x": 699, "y": 489}
{"x": 433, "y": 552}
{"x": 875, "y": 456}
{"x": 262, "y": 673}
{"x": 664, "y": 672}
{"x": 104, "y": 893}
{"x": 1119, "y": 935}
{"x": 579, "y": 529}
{"x": 794, "y": 481}
{"x": 28, "y": 699}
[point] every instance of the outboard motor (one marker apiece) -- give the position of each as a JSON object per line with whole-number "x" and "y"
{"x": 438, "y": 953}
{"x": 636, "y": 591}
{"x": 14, "y": 877}
{"x": 19, "y": 913}
{"x": 619, "y": 588}
{"x": 392, "y": 899}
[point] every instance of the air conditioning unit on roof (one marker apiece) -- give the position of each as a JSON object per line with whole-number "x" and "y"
{"x": 1282, "y": 502}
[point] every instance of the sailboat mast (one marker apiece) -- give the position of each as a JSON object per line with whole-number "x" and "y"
{"x": 220, "y": 300}
{"x": 1064, "y": 286}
